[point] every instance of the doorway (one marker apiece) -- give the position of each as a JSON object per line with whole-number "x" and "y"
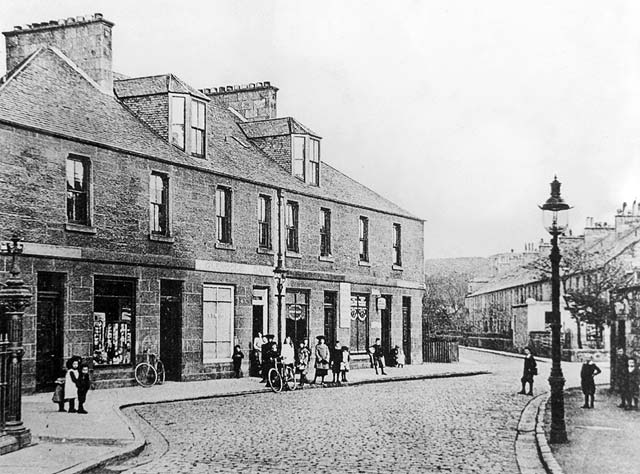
{"x": 171, "y": 328}
{"x": 384, "y": 304}
{"x": 49, "y": 329}
{"x": 297, "y": 316}
{"x": 330, "y": 298}
{"x": 406, "y": 328}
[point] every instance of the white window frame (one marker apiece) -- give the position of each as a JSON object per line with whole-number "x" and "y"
{"x": 211, "y": 330}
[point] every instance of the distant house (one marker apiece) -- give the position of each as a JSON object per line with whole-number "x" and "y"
{"x": 154, "y": 215}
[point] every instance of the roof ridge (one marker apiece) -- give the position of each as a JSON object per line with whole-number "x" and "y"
{"x": 140, "y": 77}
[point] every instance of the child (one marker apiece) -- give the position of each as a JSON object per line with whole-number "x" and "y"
{"x": 336, "y": 362}
{"x": 304, "y": 354}
{"x": 589, "y": 370}
{"x": 237, "y": 360}
{"x": 58, "y": 393}
{"x": 344, "y": 363}
{"x": 70, "y": 380}
{"x": 400, "y": 360}
{"x": 631, "y": 386}
{"x": 83, "y": 384}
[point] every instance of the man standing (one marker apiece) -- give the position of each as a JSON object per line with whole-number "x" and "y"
{"x": 529, "y": 371}
{"x": 621, "y": 375}
{"x": 268, "y": 356}
{"x": 378, "y": 356}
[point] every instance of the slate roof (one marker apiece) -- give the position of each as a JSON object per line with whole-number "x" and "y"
{"x": 275, "y": 127}
{"x": 35, "y": 96}
{"x": 150, "y": 85}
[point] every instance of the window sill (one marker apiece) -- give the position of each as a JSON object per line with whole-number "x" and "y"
{"x": 218, "y": 361}
{"x": 265, "y": 251}
{"x": 362, "y": 263}
{"x": 161, "y": 238}
{"x": 83, "y": 229}
{"x": 327, "y": 258}
{"x": 397, "y": 267}
{"x": 290, "y": 254}
{"x": 224, "y": 246}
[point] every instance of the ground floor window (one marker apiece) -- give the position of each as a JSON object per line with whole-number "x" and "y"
{"x": 217, "y": 322}
{"x": 359, "y": 323}
{"x": 113, "y": 320}
{"x": 297, "y": 315}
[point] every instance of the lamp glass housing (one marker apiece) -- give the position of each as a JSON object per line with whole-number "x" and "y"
{"x": 555, "y": 221}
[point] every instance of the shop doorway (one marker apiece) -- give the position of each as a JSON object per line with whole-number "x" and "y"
{"x": 330, "y": 312}
{"x": 384, "y": 304}
{"x": 406, "y": 328}
{"x": 260, "y": 323}
{"x": 171, "y": 328}
{"x": 49, "y": 329}
{"x": 297, "y": 316}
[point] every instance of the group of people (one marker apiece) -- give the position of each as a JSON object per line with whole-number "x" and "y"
{"x": 74, "y": 385}
{"x": 627, "y": 379}
{"x": 336, "y": 359}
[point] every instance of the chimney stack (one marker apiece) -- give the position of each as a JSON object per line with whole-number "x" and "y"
{"x": 84, "y": 40}
{"x": 255, "y": 101}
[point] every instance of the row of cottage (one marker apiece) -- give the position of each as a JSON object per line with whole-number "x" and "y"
{"x": 158, "y": 217}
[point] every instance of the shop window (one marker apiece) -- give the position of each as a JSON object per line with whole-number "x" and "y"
{"x": 217, "y": 323}
{"x": 297, "y": 303}
{"x": 359, "y": 323}
{"x": 113, "y": 321}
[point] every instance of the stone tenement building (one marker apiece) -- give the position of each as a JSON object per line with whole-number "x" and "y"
{"x": 154, "y": 215}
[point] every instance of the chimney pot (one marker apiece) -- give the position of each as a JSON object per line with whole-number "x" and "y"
{"x": 97, "y": 16}
{"x": 17, "y": 28}
{"x": 229, "y": 88}
{"x": 252, "y": 86}
{"x": 259, "y": 84}
{"x": 267, "y": 83}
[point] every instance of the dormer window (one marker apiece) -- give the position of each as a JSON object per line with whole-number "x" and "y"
{"x": 299, "y": 157}
{"x": 197, "y": 128}
{"x": 177, "y": 121}
{"x": 305, "y": 157}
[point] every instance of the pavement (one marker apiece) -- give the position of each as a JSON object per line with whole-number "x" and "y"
{"x": 73, "y": 443}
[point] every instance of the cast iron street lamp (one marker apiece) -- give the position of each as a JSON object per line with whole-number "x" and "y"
{"x": 14, "y": 298}
{"x": 280, "y": 274}
{"x": 556, "y": 223}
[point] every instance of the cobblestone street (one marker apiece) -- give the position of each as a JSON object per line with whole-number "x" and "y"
{"x": 452, "y": 425}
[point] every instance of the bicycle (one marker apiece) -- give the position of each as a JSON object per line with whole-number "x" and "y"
{"x": 150, "y": 371}
{"x": 280, "y": 376}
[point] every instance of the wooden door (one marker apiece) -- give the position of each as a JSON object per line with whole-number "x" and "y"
{"x": 171, "y": 328}
{"x": 406, "y": 328}
{"x": 49, "y": 343}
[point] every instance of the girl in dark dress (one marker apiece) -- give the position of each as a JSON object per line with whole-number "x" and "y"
{"x": 84, "y": 384}
{"x": 237, "y": 360}
{"x": 336, "y": 359}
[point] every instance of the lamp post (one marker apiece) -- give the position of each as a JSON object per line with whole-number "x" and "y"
{"x": 556, "y": 223}
{"x": 280, "y": 275}
{"x": 14, "y": 299}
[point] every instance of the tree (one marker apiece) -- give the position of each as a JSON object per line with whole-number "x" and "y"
{"x": 443, "y": 301}
{"x": 587, "y": 277}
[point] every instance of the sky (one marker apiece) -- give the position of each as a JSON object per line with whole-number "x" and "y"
{"x": 459, "y": 111}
